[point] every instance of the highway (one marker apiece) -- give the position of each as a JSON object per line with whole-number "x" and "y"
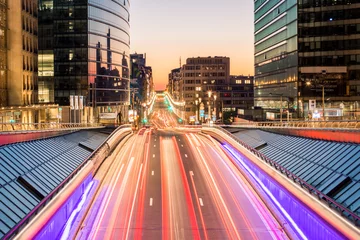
{"x": 167, "y": 183}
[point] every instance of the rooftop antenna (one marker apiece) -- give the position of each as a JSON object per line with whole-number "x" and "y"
{"x": 180, "y": 61}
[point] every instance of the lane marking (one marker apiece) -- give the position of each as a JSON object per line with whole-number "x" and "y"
{"x": 201, "y": 202}
{"x": 154, "y": 145}
{"x": 153, "y": 155}
{"x": 152, "y": 173}
{"x": 182, "y": 145}
{"x": 186, "y": 155}
{"x": 191, "y": 173}
{"x": 151, "y": 201}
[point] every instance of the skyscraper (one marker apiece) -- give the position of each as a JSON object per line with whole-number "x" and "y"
{"x": 90, "y": 44}
{"x": 308, "y": 51}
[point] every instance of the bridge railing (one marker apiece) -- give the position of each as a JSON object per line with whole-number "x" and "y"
{"x": 32, "y": 214}
{"x": 13, "y": 127}
{"x": 312, "y": 190}
{"x": 299, "y": 124}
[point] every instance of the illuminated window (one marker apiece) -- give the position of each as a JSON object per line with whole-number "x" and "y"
{"x": 238, "y": 81}
{"x": 247, "y": 81}
{"x": 198, "y": 89}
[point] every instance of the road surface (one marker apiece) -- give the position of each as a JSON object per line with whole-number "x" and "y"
{"x": 175, "y": 184}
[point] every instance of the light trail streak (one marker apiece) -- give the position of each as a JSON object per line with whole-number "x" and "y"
{"x": 212, "y": 191}
{"x": 250, "y": 195}
{"x": 189, "y": 201}
{"x": 163, "y": 195}
{"x": 133, "y": 203}
{"x": 219, "y": 194}
{"x": 140, "y": 214}
{"x": 69, "y": 223}
{"x": 104, "y": 207}
{"x": 268, "y": 192}
{"x": 198, "y": 204}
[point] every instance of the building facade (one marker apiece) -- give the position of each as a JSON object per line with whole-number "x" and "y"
{"x": 46, "y": 52}
{"x": 22, "y": 49}
{"x": 207, "y": 87}
{"x": 141, "y": 77}
{"x": 276, "y": 53}
{"x": 173, "y": 86}
{"x": 329, "y": 57}
{"x": 307, "y": 51}
{"x": 85, "y": 48}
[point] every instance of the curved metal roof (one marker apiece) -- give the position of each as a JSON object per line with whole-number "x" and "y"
{"x": 31, "y": 170}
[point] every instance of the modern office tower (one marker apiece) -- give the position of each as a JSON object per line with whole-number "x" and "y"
{"x": 19, "y": 62}
{"x": 276, "y": 54}
{"x": 308, "y": 52}
{"x": 90, "y": 51}
{"x": 329, "y": 57}
{"x": 46, "y": 51}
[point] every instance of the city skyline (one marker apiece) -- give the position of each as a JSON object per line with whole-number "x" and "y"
{"x": 195, "y": 26}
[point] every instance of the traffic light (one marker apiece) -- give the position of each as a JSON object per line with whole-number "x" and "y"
{"x": 180, "y": 120}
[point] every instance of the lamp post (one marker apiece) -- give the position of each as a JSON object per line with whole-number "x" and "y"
{"x": 323, "y": 97}
{"x": 200, "y": 117}
{"x": 196, "y": 103}
{"x": 209, "y": 105}
{"x": 215, "y": 106}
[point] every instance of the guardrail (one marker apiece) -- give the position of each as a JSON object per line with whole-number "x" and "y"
{"x": 14, "y": 127}
{"x": 300, "y": 124}
{"x": 312, "y": 190}
{"x": 27, "y": 219}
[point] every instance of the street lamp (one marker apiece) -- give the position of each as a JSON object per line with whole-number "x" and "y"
{"x": 196, "y": 103}
{"x": 215, "y": 106}
{"x": 209, "y": 105}
{"x": 323, "y": 97}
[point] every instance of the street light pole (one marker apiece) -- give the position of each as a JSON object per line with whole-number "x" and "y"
{"x": 196, "y": 103}
{"x": 323, "y": 101}
{"x": 215, "y": 106}
{"x": 209, "y": 104}
{"x": 281, "y": 109}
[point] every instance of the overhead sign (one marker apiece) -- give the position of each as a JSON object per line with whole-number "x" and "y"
{"x": 270, "y": 116}
{"x": 131, "y": 116}
{"x": 241, "y": 111}
{"x": 316, "y": 115}
{"x": 72, "y": 102}
{"x": 76, "y": 100}
{"x": 81, "y": 102}
{"x": 312, "y": 104}
{"x": 108, "y": 115}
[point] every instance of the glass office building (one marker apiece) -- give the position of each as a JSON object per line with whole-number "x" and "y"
{"x": 305, "y": 45}
{"x": 276, "y": 53}
{"x": 90, "y": 47}
{"x": 329, "y": 56}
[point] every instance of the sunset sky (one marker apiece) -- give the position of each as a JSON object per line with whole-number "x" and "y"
{"x": 169, "y": 29}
